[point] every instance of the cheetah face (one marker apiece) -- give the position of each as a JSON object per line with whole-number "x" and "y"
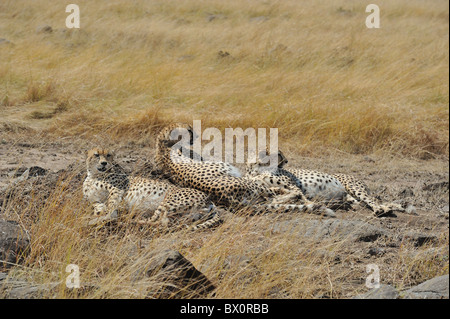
{"x": 282, "y": 160}
{"x": 175, "y": 133}
{"x": 99, "y": 161}
{"x": 264, "y": 161}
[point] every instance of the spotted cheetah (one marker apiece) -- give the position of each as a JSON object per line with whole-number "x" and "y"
{"x": 216, "y": 180}
{"x": 109, "y": 188}
{"x": 334, "y": 190}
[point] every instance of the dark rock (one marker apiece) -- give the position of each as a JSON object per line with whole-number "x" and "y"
{"x": 407, "y": 192}
{"x": 14, "y": 243}
{"x": 436, "y": 186}
{"x": 13, "y": 288}
{"x": 354, "y": 230}
{"x": 32, "y": 171}
{"x": 419, "y": 239}
{"x": 376, "y": 251}
{"x": 383, "y": 292}
{"x": 436, "y": 288}
{"x": 177, "y": 275}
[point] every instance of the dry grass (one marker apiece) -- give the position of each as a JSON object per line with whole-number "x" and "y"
{"x": 311, "y": 69}
{"x": 243, "y": 257}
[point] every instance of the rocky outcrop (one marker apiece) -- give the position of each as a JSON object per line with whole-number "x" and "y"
{"x": 354, "y": 230}
{"x": 436, "y": 288}
{"x": 174, "y": 276}
{"x": 383, "y": 292}
{"x": 14, "y": 243}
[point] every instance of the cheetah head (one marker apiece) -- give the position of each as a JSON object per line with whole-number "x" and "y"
{"x": 176, "y": 132}
{"x": 99, "y": 161}
{"x": 264, "y": 161}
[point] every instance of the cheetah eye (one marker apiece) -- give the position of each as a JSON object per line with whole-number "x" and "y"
{"x": 108, "y": 155}
{"x": 96, "y": 155}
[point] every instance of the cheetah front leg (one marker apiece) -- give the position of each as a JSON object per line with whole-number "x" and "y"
{"x": 113, "y": 202}
{"x": 99, "y": 211}
{"x": 109, "y": 211}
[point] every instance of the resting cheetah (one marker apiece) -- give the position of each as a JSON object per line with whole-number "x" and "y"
{"x": 337, "y": 189}
{"x": 216, "y": 180}
{"x": 107, "y": 186}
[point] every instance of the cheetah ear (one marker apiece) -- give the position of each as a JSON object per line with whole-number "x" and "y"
{"x": 282, "y": 160}
{"x": 193, "y": 135}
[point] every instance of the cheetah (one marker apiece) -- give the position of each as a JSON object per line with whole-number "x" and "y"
{"x": 334, "y": 190}
{"x": 316, "y": 186}
{"x": 108, "y": 187}
{"x": 217, "y": 179}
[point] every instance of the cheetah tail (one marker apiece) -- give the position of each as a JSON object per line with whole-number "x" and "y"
{"x": 214, "y": 221}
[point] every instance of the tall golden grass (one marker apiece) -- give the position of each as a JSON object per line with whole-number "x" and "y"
{"x": 312, "y": 69}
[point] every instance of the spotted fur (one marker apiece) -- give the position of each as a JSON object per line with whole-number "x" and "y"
{"x": 108, "y": 188}
{"x": 215, "y": 179}
{"x": 335, "y": 190}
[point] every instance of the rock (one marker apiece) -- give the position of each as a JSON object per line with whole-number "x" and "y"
{"x": 354, "y": 230}
{"x": 44, "y": 29}
{"x": 407, "y": 192}
{"x": 32, "y": 171}
{"x": 383, "y": 292}
{"x": 177, "y": 276}
{"x": 436, "y": 288}
{"x": 14, "y": 243}
{"x": 13, "y": 288}
{"x": 376, "y": 251}
{"x": 436, "y": 186}
{"x": 419, "y": 239}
